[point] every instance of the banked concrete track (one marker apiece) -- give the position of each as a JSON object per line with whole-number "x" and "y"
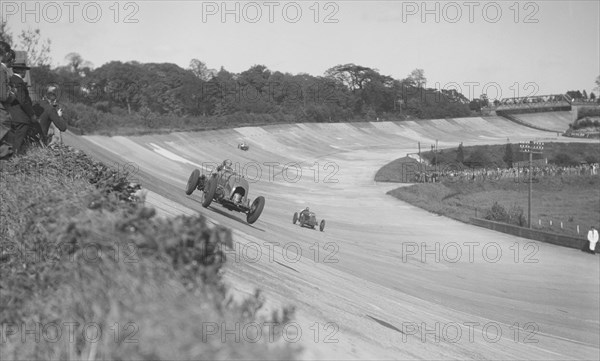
{"x": 553, "y": 121}
{"x": 386, "y": 280}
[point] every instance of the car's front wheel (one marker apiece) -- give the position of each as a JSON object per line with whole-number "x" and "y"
{"x": 295, "y": 218}
{"x": 255, "y": 209}
{"x": 192, "y": 182}
{"x": 209, "y": 191}
{"x": 322, "y": 225}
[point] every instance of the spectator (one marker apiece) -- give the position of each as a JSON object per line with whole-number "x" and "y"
{"x": 6, "y": 98}
{"x": 50, "y": 113}
{"x": 21, "y": 109}
{"x": 592, "y": 237}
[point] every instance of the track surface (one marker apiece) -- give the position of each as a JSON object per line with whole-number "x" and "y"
{"x": 556, "y": 121}
{"x": 385, "y": 280}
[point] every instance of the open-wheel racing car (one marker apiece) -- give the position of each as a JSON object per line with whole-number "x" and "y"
{"x": 227, "y": 188}
{"x": 307, "y": 218}
{"x": 243, "y": 146}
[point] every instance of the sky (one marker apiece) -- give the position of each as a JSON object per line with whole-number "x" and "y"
{"x": 501, "y": 48}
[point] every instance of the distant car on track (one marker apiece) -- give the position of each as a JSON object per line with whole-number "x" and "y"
{"x": 243, "y": 146}
{"x": 306, "y": 218}
{"x": 227, "y": 188}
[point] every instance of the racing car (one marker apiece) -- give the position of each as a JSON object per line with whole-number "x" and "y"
{"x": 243, "y": 146}
{"x": 227, "y": 188}
{"x": 307, "y": 218}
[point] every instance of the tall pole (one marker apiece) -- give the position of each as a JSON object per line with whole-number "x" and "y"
{"x": 530, "y": 184}
{"x": 531, "y": 147}
{"x": 436, "y": 160}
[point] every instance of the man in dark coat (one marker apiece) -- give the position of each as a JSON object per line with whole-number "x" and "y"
{"x": 21, "y": 110}
{"x": 6, "y": 98}
{"x": 49, "y": 112}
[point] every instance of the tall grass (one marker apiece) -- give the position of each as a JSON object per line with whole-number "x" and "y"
{"x": 88, "y": 272}
{"x": 574, "y": 200}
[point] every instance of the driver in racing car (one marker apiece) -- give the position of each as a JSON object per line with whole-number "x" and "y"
{"x": 304, "y": 213}
{"x": 226, "y": 166}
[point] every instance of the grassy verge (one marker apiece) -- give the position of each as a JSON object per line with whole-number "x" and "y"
{"x": 403, "y": 170}
{"x": 400, "y": 170}
{"x": 88, "y": 272}
{"x": 572, "y": 200}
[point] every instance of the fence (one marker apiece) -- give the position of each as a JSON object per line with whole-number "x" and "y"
{"x": 547, "y": 237}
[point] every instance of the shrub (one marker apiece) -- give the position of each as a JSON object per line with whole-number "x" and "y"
{"x": 102, "y": 106}
{"x": 563, "y": 160}
{"x": 497, "y": 213}
{"x": 591, "y": 158}
{"x": 159, "y": 277}
{"x": 516, "y": 216}
{"x": 478, "y": 159}
{"x": 585, "y": 122}
{"x": 588, "y": 112}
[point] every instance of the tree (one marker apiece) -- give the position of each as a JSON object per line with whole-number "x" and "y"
{"x": 38, "y": 50}
{"x": 584, "y": 93}
{"x": 78, "y": 65}
{"x": 5, "y": 34}
{"x": 484, "y": 100}
{"x": 574, "y": 94}
{"x": 417, "y": 77}
{"x": 200, "y": 70}
{"x": 460, "y": 154}
{"x": 121, "y": 83}
{"x": 370, "y": 92}
{"x": 74, "y": 60}
{"x": 475, "y": 105}
{"x": 592, "y": 96}
{"x": 351, "y": 75}
{"x": 479, "y": 158}
{"x": 508, "y": 155}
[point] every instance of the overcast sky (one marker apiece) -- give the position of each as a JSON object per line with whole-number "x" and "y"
{"x": 524, "y": 47}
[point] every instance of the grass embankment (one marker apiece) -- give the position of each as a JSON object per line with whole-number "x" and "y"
{"x": 574, "y": 200}
{"x": 88, "y": 272}
{"x": 400, "y": 170}
{"x": 403, "y": 170}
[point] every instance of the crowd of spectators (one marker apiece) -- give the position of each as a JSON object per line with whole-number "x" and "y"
{"x": 559, "y": 99}
{"x": 458, "y": 174}
{"x": 23, "y": 122}
{"x": 545, "y": 100}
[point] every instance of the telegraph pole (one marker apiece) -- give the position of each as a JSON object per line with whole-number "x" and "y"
{"x": 531, "y": 148}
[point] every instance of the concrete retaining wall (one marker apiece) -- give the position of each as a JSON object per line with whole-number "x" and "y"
{"x": 554, "y": 238}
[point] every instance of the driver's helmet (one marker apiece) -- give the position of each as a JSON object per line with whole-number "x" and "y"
{"x": 306, "y": 209}
{"x": 227, "y": 164}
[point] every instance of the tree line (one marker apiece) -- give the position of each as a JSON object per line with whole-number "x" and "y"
{"x": 343, "y": 93}
{"x": 165, "y": 91}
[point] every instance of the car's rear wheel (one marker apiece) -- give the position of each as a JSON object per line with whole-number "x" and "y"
{"x": 322, "y": 225}
{"x": 295, "y": 218}
{"x": 255, "y": 209}
{"x": 192, "y": 182}
{"x": 209, "y": 192}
